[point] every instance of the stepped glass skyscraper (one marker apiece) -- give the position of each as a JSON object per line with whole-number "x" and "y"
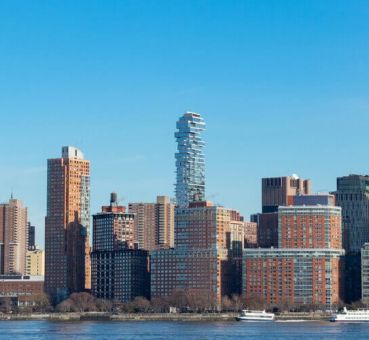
{"x": 190, "y": 162}
{"x": 67, "y": 261}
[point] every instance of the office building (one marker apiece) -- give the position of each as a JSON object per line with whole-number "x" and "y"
{"x": 190, "y": 161}
{"x": 67, "y": 248}
{"x": 13, "y": 237}
{"x": 120, "y": 275}
{"x": 352, "y": 195}
{"x": 154, "y": 223}
{"x": 35, "y": 262}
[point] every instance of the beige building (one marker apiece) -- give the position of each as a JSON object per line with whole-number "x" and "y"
{"x": 13, "y": 237}
{"x": 35, "y": 262}
{"x": 154, "y": 223}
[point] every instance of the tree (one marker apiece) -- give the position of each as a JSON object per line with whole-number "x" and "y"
{"x": 65, "y": 306}
{"x": 83, "y": 302}
{"x": 41, "y": 302}
{"x": 103, "y": 305}
{"x": 141, "y": 304}
{"x": 160, "y": 305}
{"x": 78, "y": 302}
{"x": 227, "y": 304}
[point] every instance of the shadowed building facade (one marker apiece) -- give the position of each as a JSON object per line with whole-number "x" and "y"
{"x": 120, "y": 271}
{"x": 352, "y": 195}
{"x": 67, "y": 248}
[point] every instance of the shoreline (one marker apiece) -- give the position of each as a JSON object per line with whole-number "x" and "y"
{"x": 101, "y": 316}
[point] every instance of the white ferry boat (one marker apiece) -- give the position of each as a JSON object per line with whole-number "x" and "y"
{"x": 255, "y": 315}
{"x": 359, "y": 315}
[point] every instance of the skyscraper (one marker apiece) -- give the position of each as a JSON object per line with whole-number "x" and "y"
{"x": 154, "y": 223}
{"x": 190, "y": 162}
{"x": 13, "y": 237}
{"x": 352, "y": 196}
{"x": 67, "y": 261}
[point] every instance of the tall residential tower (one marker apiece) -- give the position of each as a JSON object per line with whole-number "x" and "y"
{"x": 67, "y": 261}
{"x": 13, "y": 237}
{"x": 190, "y": 162}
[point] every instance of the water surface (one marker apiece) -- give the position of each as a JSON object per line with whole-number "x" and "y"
{"x": 180, "y": 330}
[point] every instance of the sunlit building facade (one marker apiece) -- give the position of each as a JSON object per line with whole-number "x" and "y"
{"x": 201, "y": 263}
{"x": 13, "y": 237}
{"x": 67, "y": 227}
{"x": 154, "y": 223}
{"x": 190, "y": 160}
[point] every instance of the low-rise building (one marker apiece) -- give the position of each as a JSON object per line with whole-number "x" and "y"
{"x": 35, "y": 262}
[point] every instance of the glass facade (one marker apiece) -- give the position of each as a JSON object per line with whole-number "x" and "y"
{"x": 190, "y": 161}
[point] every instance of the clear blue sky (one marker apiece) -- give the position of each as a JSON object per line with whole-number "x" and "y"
{"x": 283, "y": 87}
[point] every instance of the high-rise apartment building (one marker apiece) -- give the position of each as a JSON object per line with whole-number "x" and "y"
{"x": 289, "y": 277}
{"x": 120, "y": 271}
{"x": 352, "y": 195}
{"x": 307, "y": 266}
{"x": 276, "y": 191}
{"x": 13, "y": 237}
{"x": 154, "y": 223}
{"x": 113, "y": 228}
{"x": 318, "y": 227}
{"x": 67, "y": 260}
{"x": 201, "y": 263}
{"x": 35, "y": 262}
{"x": 190, "y": 162}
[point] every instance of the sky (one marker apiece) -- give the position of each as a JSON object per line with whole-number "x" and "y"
{"x": 282, "y": 85}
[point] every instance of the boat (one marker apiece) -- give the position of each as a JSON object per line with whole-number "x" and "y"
{"x": 359, "y": 315}
{"x": 255, "y": 315}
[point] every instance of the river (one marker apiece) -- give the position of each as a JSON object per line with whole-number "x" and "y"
{"x": 180, "y": 330}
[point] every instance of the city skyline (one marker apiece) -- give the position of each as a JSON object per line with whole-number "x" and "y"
{"x": 283, "y": 90}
